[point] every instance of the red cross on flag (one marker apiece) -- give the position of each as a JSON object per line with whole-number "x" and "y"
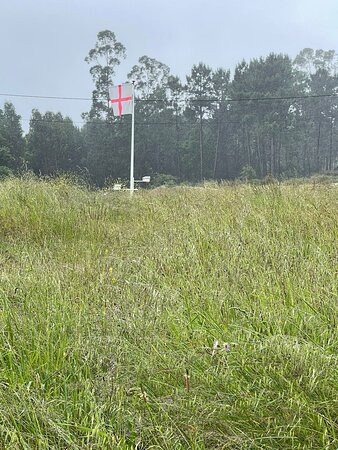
{"x": 121, "y": 99}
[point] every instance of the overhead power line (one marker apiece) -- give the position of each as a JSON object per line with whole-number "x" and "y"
{"x": 240, "y": 99}
{"x": 247, "y": 99}
{"x": 54, "y": 97}
{"x": 122, "y": 123}
{"x": 179, "y": 123}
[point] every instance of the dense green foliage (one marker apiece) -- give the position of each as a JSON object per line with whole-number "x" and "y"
{"x": 265, "y": 119}
{"x": 12, "y": 144}
{"x": 186, "y": 318}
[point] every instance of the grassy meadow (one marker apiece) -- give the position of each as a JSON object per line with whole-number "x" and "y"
{"x": 185, "y": 318}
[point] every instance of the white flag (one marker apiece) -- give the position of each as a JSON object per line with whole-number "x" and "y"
{"x": 121, "y": 99}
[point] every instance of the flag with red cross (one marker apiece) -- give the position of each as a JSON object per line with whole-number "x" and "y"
{"x": 121, "y": 99}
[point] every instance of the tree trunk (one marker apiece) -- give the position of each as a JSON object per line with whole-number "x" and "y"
{"x": 264, "y": 162}
{"x": 225, "y": 152}
{"x": 248, "y": 146}
{"x": 279, "y": 153}
{"x": 178, "y": 158}
{"x": 331, "y": 146}
{"x": 201, "y": 143}
{"x": 318, "y": 149}
{"x": 259, "y": 154}
{"x": 308, "y": 161}
{"x": 217, "y": 144}
{"x": 272, "y": 156}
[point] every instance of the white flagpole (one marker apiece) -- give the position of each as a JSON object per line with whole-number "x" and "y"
{"x": 132, "y": 143}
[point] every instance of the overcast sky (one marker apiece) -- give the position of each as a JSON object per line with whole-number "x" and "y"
{"x": 43, "y": 43}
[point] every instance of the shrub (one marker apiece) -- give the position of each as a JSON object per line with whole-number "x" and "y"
{"x": 5, "y": 172}
{"x": 248, "y": 173}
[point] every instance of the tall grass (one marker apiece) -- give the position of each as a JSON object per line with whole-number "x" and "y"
{"x": 185, "y": 318}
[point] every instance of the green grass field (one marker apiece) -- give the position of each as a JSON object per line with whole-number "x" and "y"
{"x": 111, "y": 309}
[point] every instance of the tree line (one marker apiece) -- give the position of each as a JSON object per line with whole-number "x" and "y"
{"x": 275, "y": 116}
